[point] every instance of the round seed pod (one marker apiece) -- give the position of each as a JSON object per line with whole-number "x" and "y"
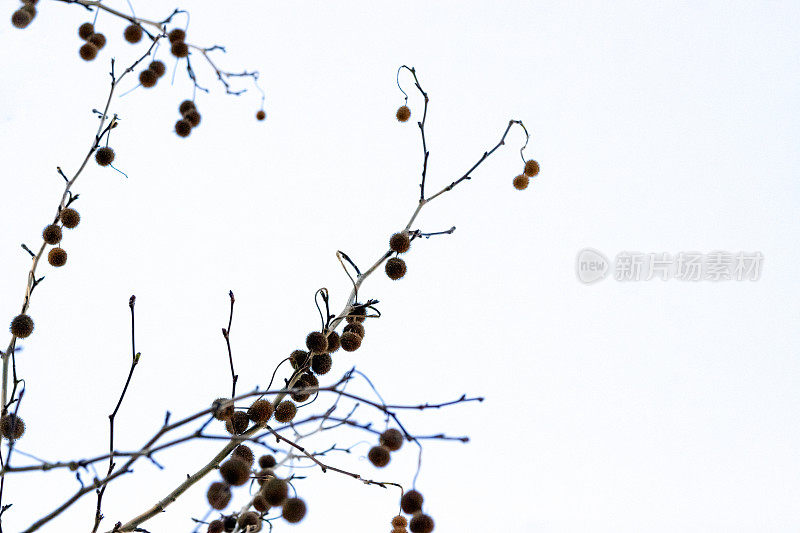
{"x": 244, "y": 453}
{"x": 185, "y": 106}
{"x": 87, "y": 51}
{"x": 298, "y": 359}
{"x": 215, "y": 526}
{"x": 392, "y": 439}
{"x": 21, "y": 326}
{"x": 395, "y": 268}
{"x": 220, "y": 410}
{"x": 294, "y": 510}
{"x": 176, "y": 35}
{"x": 333, "y": 341}
{"x": 531, "y": 168}
{"x": 399, "y": 521}
{"x": 183, "y": 128}
{"x": 421, "y": 523}
{"x": 158, "y": 67}
{"x": 275, "y": 491}
{"x": 399, "y": 530}
{"x": 357, "y": 314}
{"x": 356, "y": 328}
{"x": 403, "y": 113}
{"x": 192, "y": 117}
{"x": 57, "y": 257}
{"x": 85, "y": 30}
{"x": 317, "y": 342}
{"x": 179, "y": 49}
{"x": 52, "y": 234}
{"x": 21, "y": 18}
{"x": 229, "y": 523}
{"x": 69, "y": 217}
{"x": 249, "y": 519}
{"x": 219, "y": 495}
{"x": 133, "y": 33}
{"x": 264, "y": 475}
{"x": 266, "y": 461}
{"x": 350, "y": 341}
{"x": 235, "y": 471}
{"x": 98, "y": 39}
{"x": 237, "y": 423}
{"x": 260, "y": 411}
{"x": 300, "y": 396}
{"x": 285, "y": 411}
{"x": 411, "y": 502}
{"x": 321, "y": 363}
{"x": 104, "y": 156}
{"x": 379, "y": 456}
{"x": 261, "y": 115}
{"x": 148, "y": 78}
{"x": 521, "y": 182}
{"x": 29, "y": 8}
{"x": 310, "y": 379}
{"x": 260, "y": 503}
{"x": 400, "y": 242}
{"x": 12, "y": 427}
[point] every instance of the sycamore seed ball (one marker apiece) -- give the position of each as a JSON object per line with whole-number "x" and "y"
{"x": 275, "y": 491}
{"x": 395, "y": 268}
{"x": 421, "y": 523}
{"x": 235, "y": 471}
{"x": 133, "y": 33}
{"x": 158, "y": 67}
{"x": 185, "y": 106}
{"x": 176, "y": 35}
{"x": 317, "y": 342}
{"x": 392, "y": 439}
{"x": 294, "y": 509}
{"x": 248, "y": 520}
{"x": 399, "y": 521}
{"x": 267, "y": 461}
{"x": 85, "y": 30}
{"x": 399, "y": 242}
{"x": 531, "y": 168}
{"x": 215, "y": 526}
{"x": 98, "y": 39}
{"x": 411, "y": 502}
{"x": 21, "y": 326}
{"x": 219, "y": 495}
{"x": 237, "y": 423}
{"x": 220, "y": 412}
{"x": 260, "y": 503}
{"x": 333, "y": 341}
{"x": 321, "y": 363}
{"x": 521, "y": 182}
{"x": 403, "y": 114}
{"x": 229, "y": 523}
{"x": 69, "y": 217}
{"x": 21, "y": 18}
{"x": 356, "y": 328}
{"x": 379, "y": 456}
{"x": 261, "y": 115}
{"x": 179, "y": 49}
{"x": 148, "y": 78}
{"x": 260, "y": 411}
{"x": 183, "y": 128}
{"x": 52, "y": 234}
{"x": 12, "y": 427}
{"x": 298, "y": 359}
{"x": 57, "y": 257}
{"x": 104, "y": 156}
{"x": 87, "y": 51}
{"x": 244, "y": 453}
{"x": 350, "y": 341}
{"x": 192, "y": 117}
{"x": 285, "y": 411}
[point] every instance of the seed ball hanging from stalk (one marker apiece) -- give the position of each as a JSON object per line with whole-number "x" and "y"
{"x": 244, "y": 453}
{"x": 400, "y": 242}
{"x": 21, "y": 18}
{"x": 220, "y": 412}
{"x": 12, "y": 427}
{"x": 69, "y": 217}
{"x": 237, "y": 423}
{"x": 104, "y": 156}
{"x": 87, "y": 51}
{"x": 260, "y": 411}
{"x": 531, "y": 168}
{"x": 392, "y": 439}
{"x": 133, "y": 33}
{"x": 215, "y": 526}
{"x": 260, "y": 503}
{"x": 52, "y": 234}
{"x": 350, "y": 341}
{"x": 98, "y": 39}
{"x": 357, "y": 314}
{"x": 192, "y": 117}
{"x": 261, "y": 115}
{"x": 235, "y": 471}
{"x": 248, "y": 520}
{"x": 183, "y": 128}
{"x": 317, "y": 342}
{"x": 57, "y": 257}
{"x": 411, "y": 502}
{"x": 333, "y": 342}
{"x": 356, "y": 328}
{"x": 403, "y": 113}
{"x": 229, "y": 523}
{"x": 148, "y": 78}
{"x": 179, "y": 49}
{"x": 275, "y": 491}
{"x": 421, "y": 523}
{"x": 285, "y": 411}
{"x": 158, "y": 67}
{"x": 85, "y": 30}
{"x": 185, "y": 106}
{"x": 294, "y": 509}
{"x": 298, "y": 359}
{"x": 521, "y": 182}
{"x": 219, "y": 495}
{"x": 177, "y": 35}
{"x": 321, "y": 363}
{"x": 399, "y": 521}
{"x": 395, "y": 268}
{"x": 379, "y": 456}
{"x": 21, "y": 326}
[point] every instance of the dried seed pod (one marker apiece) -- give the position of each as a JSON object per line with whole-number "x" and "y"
{"x": 87, "y": 51}
{"x": 21, "y": 326}
{"x": 261, "y": 115}
{"x": 379, "y": 456}
{"x": 249, "y": 519}
{"x": 399, "y": 521}
{"x": 133, "y": 33}
{"x": 260, "y": 503}
{"x": 285, "y": 411}
{"x": 229, "y": 523}
{"x": 29, "y": 8}
{"x": 531, "y": 168}
{"x": 192, "y": 117}
{"x": 176, "y": 35}
{"x": 219, "y": 495}
{"x": 400, "y": 242}
{"x": 260, "y": 411}
{"x": 97, "y": 39}
{"x": 266, "y": 461}
{"x": 158, "y": 67}
{"x": 21, "y": 18}
{"x": 310, "y": 380}
{"x": 521, "y": 182}
{"x": 395, "y": 268}
{"x": 235, "y": 471}
{"x": 179, "y": 49}
{"x": 350, "y": 341}
{"x": 411, "y": 502}
{"x": 333, "y": 341}
{"x": 244, "y": 453}
{"x": 57, "y": 257}
{"x": 12, "y": 427}
{"x": 183, "y": 128}
{"x": 215, "y": 526}
{"x": 298, "y": 359}
{"x": 104, "y": 156}
{"x": 185, "y": 106}
{"x": 300, "y": 396}
{"x": 356, "y": 328}
{"x": 275, "y": 491}
{"x": 52, "y": 234}
{"x": 294, "y": 510}
{"x": 421, "y": 523}
{"x": 392, "y": 439}
{"x": 69, "y": 217}
{"x": 237, "y": 423}
{"x": 220, "y": 410}
{"x": 321, "y": 363}
{"x": 148, "y": 78}
{"x": 85, "y": 30}
{"x": 357, "y": 314}
{"x": 317, "y": 342}
{"x": 403, "y": 113}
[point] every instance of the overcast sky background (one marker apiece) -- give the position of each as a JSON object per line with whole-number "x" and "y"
{"x": 617, "y": 407}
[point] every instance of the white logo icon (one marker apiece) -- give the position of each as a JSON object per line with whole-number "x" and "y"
{"x": 591, "y": 265}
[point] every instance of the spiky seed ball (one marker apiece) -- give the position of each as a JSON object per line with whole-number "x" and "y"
{"x": 261, "y": 115}
{"x": 21, "y": 18}
{"x": 357, "y": 314}
{"x": 285, "y": 411}
{"x": 395, "y": 268}
{"x": 237, "y": 423}
{"x": 215, "y": 526}
{"x": 148, "y": 78}
{"x": 264, "y": 475}
{"x": 300, "y": 397}
{"x": 185, "y": 106}
{"x": 411, "y": 502}
{"x": 87, "y": 51}
{"x": 531, "y": 168}
{"x": 52, "y": 234}
{"x": 193, "y": 117}
{"x": 229, "y": 523}
{"x": 317, "y": 342}
{"x": 104, "y": 156}
{"x": 57, "y": 257}
{"x": 399, "y": 521}
{"x": 176, "y": 35}
{"x": 248, "y": 519}
{"x": 29, "y": 8}
{"x": 275, "y": 491}
{"x": 403, "y": 113}
{"x": 399, "y": 242}
{"x": 392, "y": 439}
{"x": 266, "y": 461}
{"x": 133, "y": 33}
{"x": 356, "y": 328}
{"x": 21, "y": 326}
{"x": 219, "y": 495}
{"x": 244, "y": 453}
{"x": 333, "y": 341}
{"x": 421, "y": 523}
{"x": 521, "y": 182}
{"x": 310, "y": 380}
{"x": 350, "y": 341}
{"x": 85, "y": 30}
{"x": 294, "y": 510}
{"x": 158, "y": 67}
{"x": 183, "y": 128}
{"x": 69, "y": 217}
{"x": 235, "y": 471}
{"x": 321, "y": 363}
{"x": 379, "y": 456}
{"x": 12, "y": 427}
{"x": 220, "y": 410}
{"x": 98, "y": 39}
{"x": 260, "y": 411}
{"x": 179, "y": 49}
{"x": 298, "y": 359}
{"x": 260, "y": 503}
